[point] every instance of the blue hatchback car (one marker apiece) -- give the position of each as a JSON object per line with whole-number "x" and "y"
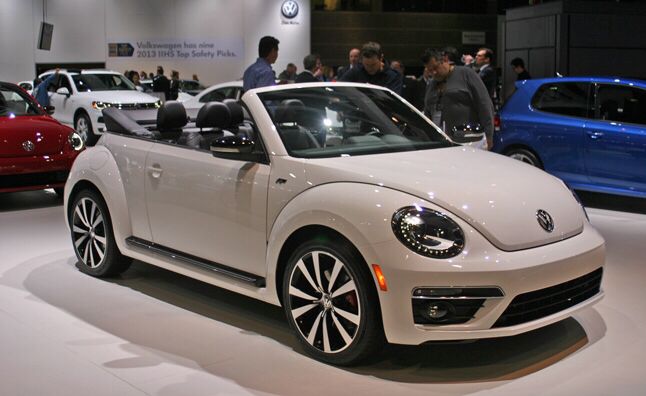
{"x": 588, "y": 131}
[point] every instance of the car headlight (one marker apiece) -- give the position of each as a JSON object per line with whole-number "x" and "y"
{"x": 100, "y": 105}
{"x": 158, "y": 104}
{"x": 428, "y": 232}
{"x": 76, "y": 141}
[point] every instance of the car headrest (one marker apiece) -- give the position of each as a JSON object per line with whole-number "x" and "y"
{"x": 237, "y": 114}
{"x": 171, "y": 115}
{"x": 288, "y": 111}
{"x": 213, "y": 115}
{"x": 292, "y": 103}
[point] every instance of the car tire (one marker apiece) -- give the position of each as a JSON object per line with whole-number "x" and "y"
{"x": 525, "y": 156}
{"x": 93, "y": 237}
{"x": 83, "y": 127}
{"x": 60, "y": 191}
{"x": 331, "y": 303}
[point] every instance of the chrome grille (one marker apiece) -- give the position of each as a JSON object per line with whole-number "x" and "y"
{"x": 135, "y": 106}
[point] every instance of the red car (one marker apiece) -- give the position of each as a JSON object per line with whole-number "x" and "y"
{"x": 36, "y": 151}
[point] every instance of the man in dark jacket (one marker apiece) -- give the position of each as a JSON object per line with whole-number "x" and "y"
{"x": 161, "y": 83}
{"x": 484, "y": 58}
{"x": 313, "y": 70}
{"x": 353, "y": 59}
{"x": 519, "y": 69}
{"x": 373, "y": 69}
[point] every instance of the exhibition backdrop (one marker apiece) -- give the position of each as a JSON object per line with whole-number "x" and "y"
{"x": 215, "y": 39}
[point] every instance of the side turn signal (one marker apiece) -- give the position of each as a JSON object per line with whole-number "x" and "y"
{"x": 381, "y": 279}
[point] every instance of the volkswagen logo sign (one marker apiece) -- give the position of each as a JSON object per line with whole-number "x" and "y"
{"x": 289, "y": 9}
{"x": 28, "y": 146}
{"x": 545, "y": 220}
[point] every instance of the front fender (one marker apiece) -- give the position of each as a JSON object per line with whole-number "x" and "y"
{"x": 360, "y": 212}
{"x": 97, "y": 166}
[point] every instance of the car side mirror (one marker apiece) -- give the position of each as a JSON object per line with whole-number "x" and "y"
{"x": 467, "y": 133}
{"x": 63, "y": 91}
{"x": 49, "y": 109}
{"x": 237, "y": 147}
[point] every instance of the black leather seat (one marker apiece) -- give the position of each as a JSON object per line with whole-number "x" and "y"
{"x": 212, "y": 119}
{"x": 287, "y": 117}
{"x": 171, "y": 118}
{"x": 213, "y": 116}
{"x": 238, "y": 124}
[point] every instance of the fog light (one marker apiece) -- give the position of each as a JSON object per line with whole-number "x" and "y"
{"x": 437, "y": 311}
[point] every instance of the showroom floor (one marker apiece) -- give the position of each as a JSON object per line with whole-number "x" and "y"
{"x": 152, "y": 332}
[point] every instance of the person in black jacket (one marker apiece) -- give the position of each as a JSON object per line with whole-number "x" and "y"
{"x": 412, "y": 89}
{"x": 353, "y": 58}
{"x": 374, "y": 70}
{"x": 161, "y": 83}
{"x": 174, "y": 85}
{"x": 313, "y": 69}
{"x": 519, "y": 69}
{"x": 484, "y": 58}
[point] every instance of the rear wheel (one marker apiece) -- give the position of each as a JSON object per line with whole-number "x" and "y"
{"x": 525, "y": 156}
{"x": 83, "y": 127}
{"x": 59, "y": 191}
{"x": 331, "y": 303}
{"x": 92, "y": 237}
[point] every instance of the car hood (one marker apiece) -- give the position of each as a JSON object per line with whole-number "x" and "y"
{"x": 498, "y": 196}
{"x": 47, "y": 136}
{"x": 120, "y": 96}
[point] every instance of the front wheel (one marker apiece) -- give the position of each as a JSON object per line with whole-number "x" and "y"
{"x": 92, "y": 237}
{"x": 83, "y": 127}
{"x": 331, "y": 303}
{"x": 525, "y": 156}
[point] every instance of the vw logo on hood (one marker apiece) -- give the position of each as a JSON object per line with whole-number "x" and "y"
{"x": 289, "y": 9}
{"x": 545, "y": 220}
{"x": 28, "y": 146}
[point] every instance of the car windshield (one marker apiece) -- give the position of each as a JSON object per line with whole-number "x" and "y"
{"x": 333, "y": 121}
{"x": 102, "y": 82}
{"x": 14, "y": 102}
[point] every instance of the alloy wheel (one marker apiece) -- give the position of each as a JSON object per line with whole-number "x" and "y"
{"x": 524, "y": 158}
{"x": 89, "y": 233}
{"x": 324, "y": 301}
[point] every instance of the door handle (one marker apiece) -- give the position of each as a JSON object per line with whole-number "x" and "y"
{"x": 155, "y": 171}
{"x": 594, "y": 135}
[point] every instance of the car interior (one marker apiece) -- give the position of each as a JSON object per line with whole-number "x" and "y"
{"x": 173, "y": 126}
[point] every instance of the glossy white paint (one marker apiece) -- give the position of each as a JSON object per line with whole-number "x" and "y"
{"x": 197, "y": 101}
{"x": 66, "y": 107}
{"x": 235, "y": 213}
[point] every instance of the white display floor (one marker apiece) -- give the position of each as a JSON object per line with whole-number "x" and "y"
{"x": 152, "y": 332}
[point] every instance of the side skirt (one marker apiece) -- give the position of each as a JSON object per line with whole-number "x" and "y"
{"x": 185, "y": 258}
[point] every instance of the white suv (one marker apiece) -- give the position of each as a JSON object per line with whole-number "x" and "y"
{"x": 78, "y": 96}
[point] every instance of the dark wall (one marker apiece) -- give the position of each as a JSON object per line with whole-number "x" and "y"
{"x": 576, "y": 38}
{"x": 402, "y": 35}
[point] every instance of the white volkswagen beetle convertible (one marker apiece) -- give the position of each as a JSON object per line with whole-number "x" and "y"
{"x": 344, "y": 205}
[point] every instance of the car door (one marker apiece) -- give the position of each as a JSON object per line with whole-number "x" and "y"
{"x": 63, "y": 104}
{"x": 616, "y": 139}
{"x": 557, "y": 128}
{"x": 208, "y": 207}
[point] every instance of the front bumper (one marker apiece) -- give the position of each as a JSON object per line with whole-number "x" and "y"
{"x": 36, "y": 172}
{"x": 515, "y": 273}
